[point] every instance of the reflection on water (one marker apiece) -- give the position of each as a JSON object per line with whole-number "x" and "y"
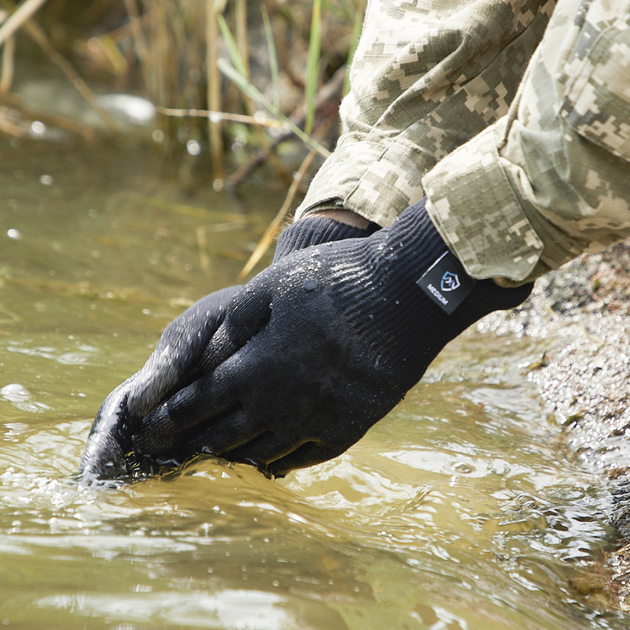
{"x": 458, "y": 512}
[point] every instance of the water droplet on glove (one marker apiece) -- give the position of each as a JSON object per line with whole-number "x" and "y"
{"x": 310, "y": 284}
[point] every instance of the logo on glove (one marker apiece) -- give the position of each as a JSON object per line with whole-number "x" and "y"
{"x": 450, "y": 282}
{"x": 454, "y": 283}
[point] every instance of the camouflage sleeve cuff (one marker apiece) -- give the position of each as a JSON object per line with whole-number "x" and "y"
{"x": 374, "y": 176}
{"x": 478, "y": 214}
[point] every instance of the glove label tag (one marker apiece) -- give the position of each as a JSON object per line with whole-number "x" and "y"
{"x": 447, "y": 283}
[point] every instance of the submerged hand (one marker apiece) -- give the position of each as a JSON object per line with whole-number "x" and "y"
{"x": 177, "y": 361}
{"x": 321, "y": 345}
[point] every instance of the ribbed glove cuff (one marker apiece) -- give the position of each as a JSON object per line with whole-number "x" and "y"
{"x": 313, "y": 231}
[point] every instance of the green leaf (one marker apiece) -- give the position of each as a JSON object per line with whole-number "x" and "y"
{"x": 312, "y": 67}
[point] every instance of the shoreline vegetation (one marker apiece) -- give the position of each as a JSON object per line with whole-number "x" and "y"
{"x": 238, "y": 84}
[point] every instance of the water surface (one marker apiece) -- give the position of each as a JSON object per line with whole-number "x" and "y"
{"x": 459, "y": 511}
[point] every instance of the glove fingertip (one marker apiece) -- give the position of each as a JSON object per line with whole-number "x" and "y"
{"x": 102, "y": 459}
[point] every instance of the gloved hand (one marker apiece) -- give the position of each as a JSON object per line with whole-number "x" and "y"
{"x": 176, "y": 361}
{"x": 320, "y": 346}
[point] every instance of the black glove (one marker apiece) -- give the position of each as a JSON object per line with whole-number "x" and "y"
{"x": 320, "y": 346}
{"x": 315, "y": 230}
{"x": 176, "y": 361}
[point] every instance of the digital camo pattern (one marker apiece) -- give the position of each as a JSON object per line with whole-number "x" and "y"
{"x": 427, "y": 76}
{"x": 552, "y": 179}
{"x": 549, "y": 177}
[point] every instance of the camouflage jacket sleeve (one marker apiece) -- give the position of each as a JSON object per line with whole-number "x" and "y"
{"x": 551, "y": 179}
{"x": 541, "y": 173}
{"x": 427, "y": 76}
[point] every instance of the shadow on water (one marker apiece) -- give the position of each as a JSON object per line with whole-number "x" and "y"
{"x": 457, "y": 512}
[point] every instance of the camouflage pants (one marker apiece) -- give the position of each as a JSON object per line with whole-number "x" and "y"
{"x": 513, "y": 117}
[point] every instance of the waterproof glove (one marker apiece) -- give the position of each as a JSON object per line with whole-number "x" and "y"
{"x": 174, "y": 364}
{"x": 315, "y": 230}
{"x": 320, "y": 346}
{"x": 176, "y": 361}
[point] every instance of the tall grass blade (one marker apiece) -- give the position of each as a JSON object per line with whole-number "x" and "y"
{"x": 252, "y": 92}
{"x": 274, "y": 66}
{"x": 312, "y": 66}
{"x": 214, "y": 91}
{"x": 8, "y": 67}
{"x": 241, "y": 33}
{"x": 232, "y": 47}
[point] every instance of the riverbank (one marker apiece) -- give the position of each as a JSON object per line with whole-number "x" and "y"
{"x": 584, "y": 378}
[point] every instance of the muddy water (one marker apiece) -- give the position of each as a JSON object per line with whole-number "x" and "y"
{"x": 457, "y": 512}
